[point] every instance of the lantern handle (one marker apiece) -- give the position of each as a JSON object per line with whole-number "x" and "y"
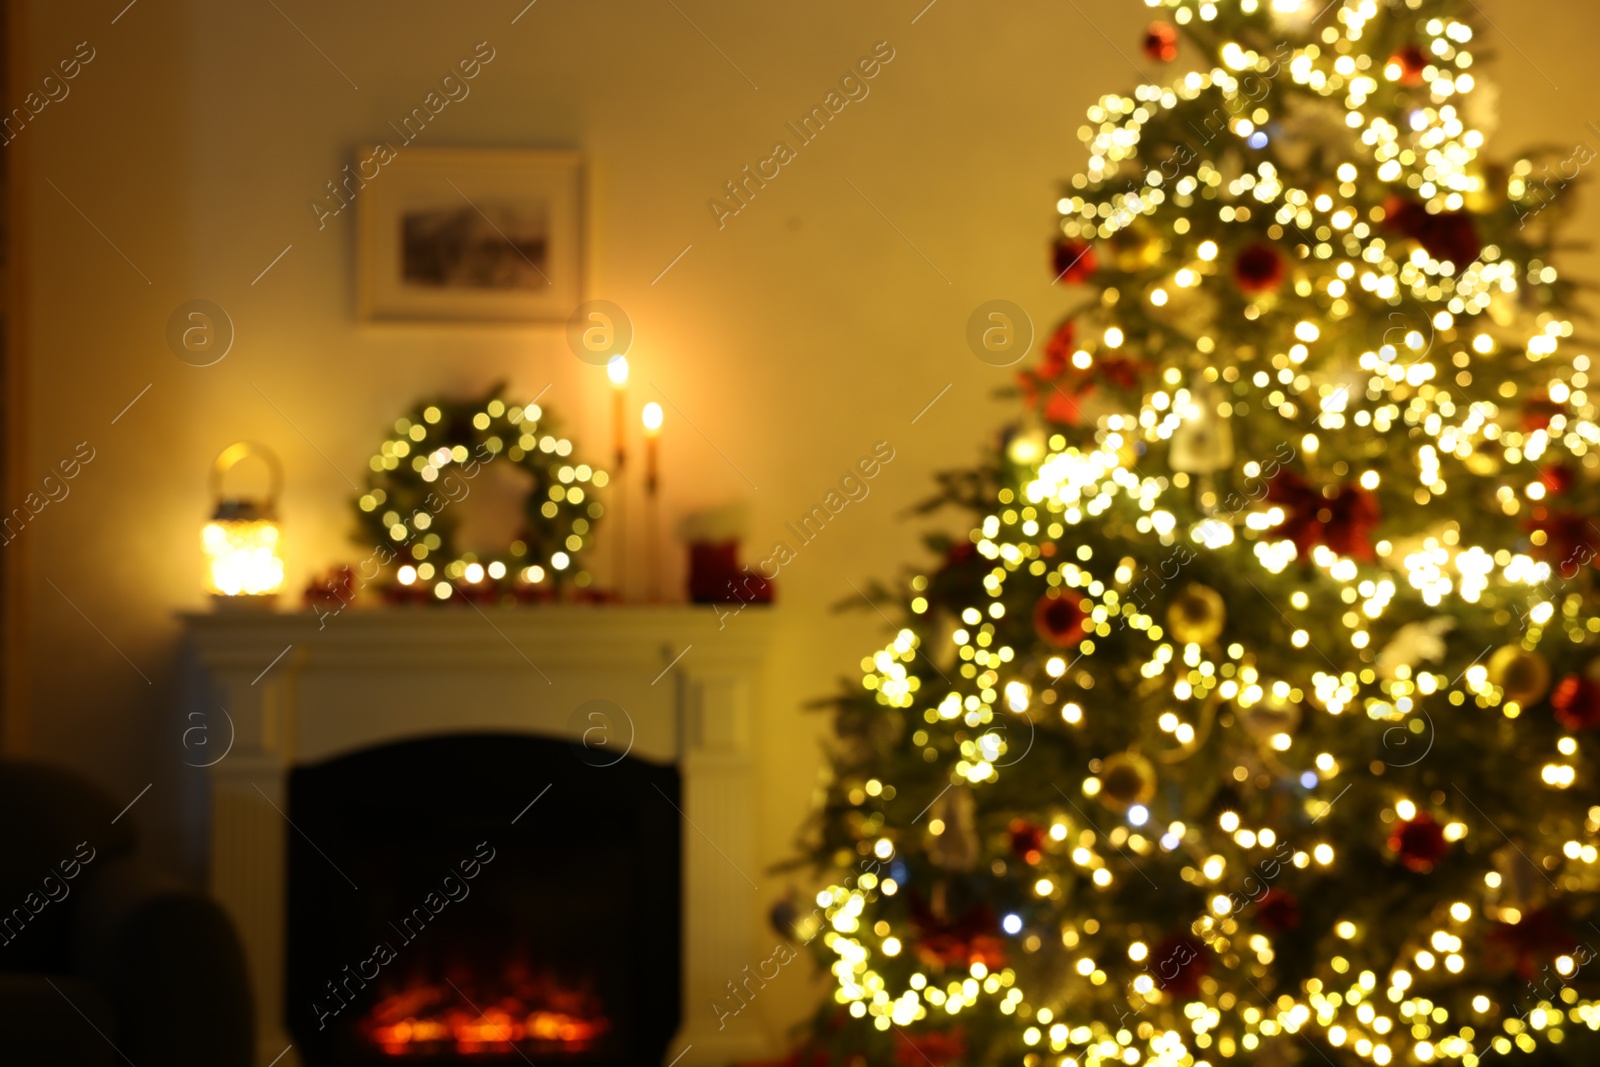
{"x": 234, "y": 454}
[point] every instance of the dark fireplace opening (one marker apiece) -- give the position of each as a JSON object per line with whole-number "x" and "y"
{"x": 483, "y": 899}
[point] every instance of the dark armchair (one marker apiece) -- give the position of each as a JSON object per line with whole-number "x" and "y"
{"x": 102, "y": 960}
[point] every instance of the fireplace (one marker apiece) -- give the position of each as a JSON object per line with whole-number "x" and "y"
{"x": 437, "y": 918}
{"x": 346, "y": 727}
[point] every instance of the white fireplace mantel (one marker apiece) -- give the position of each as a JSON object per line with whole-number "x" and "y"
{"x": 300, "y": 690}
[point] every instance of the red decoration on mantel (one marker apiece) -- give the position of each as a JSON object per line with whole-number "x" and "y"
{"x": 715, "y": 576}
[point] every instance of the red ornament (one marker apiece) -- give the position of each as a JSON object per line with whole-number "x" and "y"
{"x": 1576, "y": 701}
{"x": 1558, "y": 478}
{"x": 1450, "y": 236}
{"x": 960, "y": 941}
{"x": 1178, "y": 964}
{"x": 1059, "y": 621}
{"x": 1161, "y": 42}
{"x": 1571, "y": 541}
{"x": 1278, "y": 912}
{"x": 937, "y": 1047}
{"x": 1419, "y": 843}
{"x": 1056, "y": 388}
{"x": 1073, "y": 261}
{"x": 332, "y": 591}
{"x": 1523, "y": 946}
{"x": 1027, "y": 841}
{"x": 1258, "y": 269}
{"x": 1343, "y": 522}
{"x": 1412, "y": 61}
{"x": 1453, "y": 237}
{"x": 1538, "y": 410}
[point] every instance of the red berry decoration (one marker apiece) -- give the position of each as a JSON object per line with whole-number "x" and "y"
{"x": 1059, "y": 621}
{"x": 1058, "y": 351}
{"x": 1027, "y": 841}
{"x": 1278, "y": 912}
{"x": 1073, "y": 261}
{"x": 1161, "y": 42}
{"x": 1258, "y": 269}
{"x": 1576, "y": 700}
{"x": 1419, "y": 843}
{"x": 1412, "y": 61}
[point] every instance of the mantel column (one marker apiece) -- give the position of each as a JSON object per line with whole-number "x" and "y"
{"x": 720, "y": 878}
{"x": 249, "y": 834}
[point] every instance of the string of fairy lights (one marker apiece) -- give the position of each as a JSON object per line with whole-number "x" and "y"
{"x": 1471, "y": 349}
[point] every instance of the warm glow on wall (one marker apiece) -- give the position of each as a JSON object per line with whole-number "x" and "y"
{"x": 242, "y": 540}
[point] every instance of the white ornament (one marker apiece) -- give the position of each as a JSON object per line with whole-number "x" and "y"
{"x": 1203, "y": 442}
{"x": 1415, "y": 643}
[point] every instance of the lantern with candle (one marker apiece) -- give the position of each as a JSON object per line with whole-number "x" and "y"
{"x": 243, "y": 539}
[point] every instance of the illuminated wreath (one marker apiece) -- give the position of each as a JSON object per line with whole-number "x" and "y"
{"x": 420, "y": 477}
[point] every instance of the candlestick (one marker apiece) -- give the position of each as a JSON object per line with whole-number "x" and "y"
{"x": 617, "y": 371}
{"x": 652, "y": 433}
{"x": 652, "y": 447}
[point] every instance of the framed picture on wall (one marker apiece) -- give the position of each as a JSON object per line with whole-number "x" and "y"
{"x": 465, "y": 235}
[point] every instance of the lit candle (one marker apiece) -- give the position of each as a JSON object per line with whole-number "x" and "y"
{"x": 617, "y": 371}
{"x": 652, "y": 438}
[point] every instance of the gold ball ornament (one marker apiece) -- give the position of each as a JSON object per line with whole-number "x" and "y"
{"x": 955, "y": 847}
{"x": 1196, "y": 615}
{"x": 1270, "y": 716}
{"x": 1520, "y": 675}
{"x": 1126, "y": 779}
{"x": 1490, "y": 193}
{"x": 1136, "y": 249}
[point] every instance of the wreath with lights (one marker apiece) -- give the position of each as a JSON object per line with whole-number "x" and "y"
{"x": 421, "y": 475}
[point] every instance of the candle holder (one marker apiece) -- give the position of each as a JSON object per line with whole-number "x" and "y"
{"x": 617, "y": 371}
{"x": 653, "y": 418}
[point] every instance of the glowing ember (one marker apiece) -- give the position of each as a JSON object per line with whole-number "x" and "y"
{"x": 536, "y": 1016}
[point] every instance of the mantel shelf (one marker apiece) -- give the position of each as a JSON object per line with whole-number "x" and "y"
{"x": 619, "y": 635}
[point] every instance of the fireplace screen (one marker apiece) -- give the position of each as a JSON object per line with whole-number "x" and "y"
{"x": 483, "y": 900}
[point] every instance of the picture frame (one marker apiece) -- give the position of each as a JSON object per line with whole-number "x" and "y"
{"x": 469, "y": 235}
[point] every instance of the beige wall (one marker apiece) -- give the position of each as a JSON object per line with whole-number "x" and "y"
{"x": 794, "y": 338}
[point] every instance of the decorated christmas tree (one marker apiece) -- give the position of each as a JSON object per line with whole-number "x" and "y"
{"x": 1254, "y": 720}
